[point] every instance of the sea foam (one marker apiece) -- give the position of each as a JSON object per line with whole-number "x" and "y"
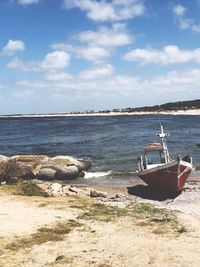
{"x": 90, "y": 175}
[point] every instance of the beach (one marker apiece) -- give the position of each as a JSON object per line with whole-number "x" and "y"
{"x": 111, "y": 113}
{"x": 123, "y": 240}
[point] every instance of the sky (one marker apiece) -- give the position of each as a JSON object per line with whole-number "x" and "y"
{"x": 78, "y": 55}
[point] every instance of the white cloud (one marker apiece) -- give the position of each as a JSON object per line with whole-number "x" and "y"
{"x": 105, "y": 10}
{"x": 13, "y": 47}
{"x": 185, "y": 23}
{"x": 17, "y": 64}
{"x": 32, "y": 84}
{"x": 94, "y": 54}
{"x": 170, "y": 54}
{"x": 115, "y": 37}
{"x": 180, "y": 84}
{"x": 24, "y": 94}
{"x": 179, "y": 10}
{"x": 55, "y": 60}
{"x": 185, "y": 83}
{"x": 58, "y": 76}
{"x": 97, "y": 46}
{"x": 27, "y": 2}
{"x": 97, "y": 73}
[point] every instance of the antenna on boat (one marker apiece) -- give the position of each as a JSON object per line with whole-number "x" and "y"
{"x": 163, "y": 136}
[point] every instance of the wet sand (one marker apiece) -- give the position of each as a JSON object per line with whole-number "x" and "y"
{"x": 130, "y": 187}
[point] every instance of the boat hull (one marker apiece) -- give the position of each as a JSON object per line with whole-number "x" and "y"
{"x": 170, "y": 177}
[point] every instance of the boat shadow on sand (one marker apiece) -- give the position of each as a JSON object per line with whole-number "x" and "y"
{"x": 147, "y": 192}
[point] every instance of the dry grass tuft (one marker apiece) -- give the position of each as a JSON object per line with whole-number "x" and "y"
{"x": 159, "y": 221}
{"x": 101, "y": 212}
{"x": 28, "y": 188}
{"x": 43, "y": 235}
{"x": 23, "y": 188}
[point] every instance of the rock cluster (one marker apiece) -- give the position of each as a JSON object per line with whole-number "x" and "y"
{"x": 58, "y": 190}
{"x": 41, "y": 167}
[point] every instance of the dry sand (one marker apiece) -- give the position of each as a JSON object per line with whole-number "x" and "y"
{"x": 119, "y": 243}
{"x": 170, "y": 112}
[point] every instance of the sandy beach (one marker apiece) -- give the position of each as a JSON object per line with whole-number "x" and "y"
{"x": 82, "y": 114}
{"x": 101, "y": 241}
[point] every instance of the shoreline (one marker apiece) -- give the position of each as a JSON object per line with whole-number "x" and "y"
{"x": 177, "y": 112}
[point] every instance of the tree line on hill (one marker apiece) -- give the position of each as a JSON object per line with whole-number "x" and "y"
{"x": 171, "y": 106}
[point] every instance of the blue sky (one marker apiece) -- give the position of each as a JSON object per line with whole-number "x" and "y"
{"x": 76, "y": 55}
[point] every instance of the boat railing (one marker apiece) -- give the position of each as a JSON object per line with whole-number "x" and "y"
{"x": 187, "y": 158}
{"x": 140, "y": 163}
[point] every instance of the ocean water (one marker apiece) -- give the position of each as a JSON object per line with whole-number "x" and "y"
{"x": 112, "y": 143}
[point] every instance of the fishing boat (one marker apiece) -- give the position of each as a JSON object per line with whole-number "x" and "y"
{"x": 159, "y": 170}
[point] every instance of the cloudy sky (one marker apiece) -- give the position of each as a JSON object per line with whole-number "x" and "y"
{"x": 76, "y": 55}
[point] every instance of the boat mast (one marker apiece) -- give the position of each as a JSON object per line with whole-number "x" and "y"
{"x": 163, "y": 136}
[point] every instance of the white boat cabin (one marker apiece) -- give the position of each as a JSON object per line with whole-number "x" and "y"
{"x": 154, "y": 156}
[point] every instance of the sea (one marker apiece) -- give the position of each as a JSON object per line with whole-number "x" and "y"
{"x": 111, "y": 143}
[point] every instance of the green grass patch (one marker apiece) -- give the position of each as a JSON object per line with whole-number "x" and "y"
{"x": 24, "y": 188}
{"x": 152, "y": 214}
{"x": 101, "y": 212}
{"x": 43, "y": 235}
{"x": 159, "y": 221}
{"x": 28, "y": 188}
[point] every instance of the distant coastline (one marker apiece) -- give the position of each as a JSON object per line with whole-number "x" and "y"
{"x": 111, "y": 113}
{"x": 190, "y": 107}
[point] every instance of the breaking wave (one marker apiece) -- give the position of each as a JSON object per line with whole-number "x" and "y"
{"x": 90, "y": 175}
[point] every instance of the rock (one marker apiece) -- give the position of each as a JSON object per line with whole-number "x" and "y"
{"x": 45, "y": 187}
{"x": 23, "y": 166}
{"x": 73, "y": 189}
{"x": 84, "y": 165}
{"x": 68, "y": 172}
{"x": 78, "y": 191}
{"x": 12, "y": 180}
{"x": 67, "y": 192}
{"x": 3, "y": 158}
{"x": 81, "y": 174}
{"x": 59, "y": 172}
{"x": 56, "y": 190}
{"x": 41, "y": 167}
{"x": 120, "y": 195}
{"x": 82, "y": 192}
{"x": 46, "y": 174}
{"x": 63, "y": 160}
{"x": 88, "y": 190}
{"x": 65, "y": 167}
{"x": 116, "y": 199}
{"x": 95, "y": 193}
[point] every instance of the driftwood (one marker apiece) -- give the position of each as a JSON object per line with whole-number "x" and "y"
{"x": 41, "y": 167}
